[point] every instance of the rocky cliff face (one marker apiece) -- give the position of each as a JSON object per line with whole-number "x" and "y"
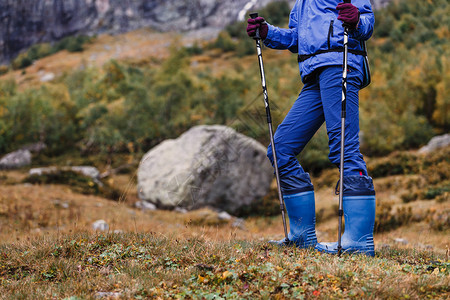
{"x": 26, "y": 22}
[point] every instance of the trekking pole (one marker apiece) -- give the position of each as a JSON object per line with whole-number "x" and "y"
{"x": 257, "y": 38}
{"x": 343, "y": 116}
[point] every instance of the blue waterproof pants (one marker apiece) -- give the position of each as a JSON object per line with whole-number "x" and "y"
{"x": 319, "y": 101}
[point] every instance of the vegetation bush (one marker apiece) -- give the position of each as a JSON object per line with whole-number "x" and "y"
{"x": 224, "y": 42}
{"x": 77, "y": 182}
{"x": 3, "y": 69}
{"x": 387, "y": 219}
{"x": 106, "y": 109}
{"x": 439, "y": 220}
{"x": 72, "y": 43}
{"x": 37, "y": 51}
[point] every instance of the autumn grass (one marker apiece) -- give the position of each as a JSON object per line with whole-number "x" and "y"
{"x": 49, "y": 251}
{"x": 154, "y": 266}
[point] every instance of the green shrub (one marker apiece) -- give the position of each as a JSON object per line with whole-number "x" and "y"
{"x": 386, "y": 219}
{"x": 439, "y": 220}
{"x": 398, "y": 163}
{"x": 434, "y": 192}
{"x": 195, "y": 49}
{"x": 77, "y": 182}
{"x": 72, "y": 43}
{"x": 37, "y": 51}
{"x": 245, "y": 47}
{"x": 224, "y": 42}
{"x": 409, "y": 196}
{"x": 3, "y": 69}
{"x": 276, "y": 13}
{"x": 21, "y": 61}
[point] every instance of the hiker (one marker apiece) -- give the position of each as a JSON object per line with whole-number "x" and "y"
{"x": 315, "y": 33}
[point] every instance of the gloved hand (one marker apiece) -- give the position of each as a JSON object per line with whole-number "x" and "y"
{"x": 254, "y": 24}
{"x": 349, "y": 14}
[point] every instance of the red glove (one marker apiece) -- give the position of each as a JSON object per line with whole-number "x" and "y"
{"x": 257, "y": 23}
{"x": 349, "y": 14}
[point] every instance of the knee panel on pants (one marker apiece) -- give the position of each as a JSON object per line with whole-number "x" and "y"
{"x": 286, "y": 159}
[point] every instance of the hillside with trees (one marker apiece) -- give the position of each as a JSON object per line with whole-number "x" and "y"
{"x": 104, "y": 101}
{"x": 136, "y": 105}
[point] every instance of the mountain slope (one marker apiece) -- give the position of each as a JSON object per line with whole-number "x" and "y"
{"x": 24, "y": 23}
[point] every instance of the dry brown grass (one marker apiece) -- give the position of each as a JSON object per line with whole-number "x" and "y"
{"x": 38, "y": 210}
{"x": 49, "y": 250}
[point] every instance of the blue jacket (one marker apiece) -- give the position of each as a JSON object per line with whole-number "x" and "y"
{"x": 313, "y": 26}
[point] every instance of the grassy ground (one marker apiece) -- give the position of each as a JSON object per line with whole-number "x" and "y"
{"x": 149, "y": 265}
{"x": 49, "y": 250}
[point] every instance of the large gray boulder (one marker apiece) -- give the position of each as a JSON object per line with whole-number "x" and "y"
{"x": 206, "y": 166}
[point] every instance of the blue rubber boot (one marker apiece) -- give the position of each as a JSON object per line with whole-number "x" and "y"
{"x": 359, "y": 215}
{"x": 302, "y": 220}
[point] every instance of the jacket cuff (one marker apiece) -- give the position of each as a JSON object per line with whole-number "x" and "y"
{"x": 270, "y": 34}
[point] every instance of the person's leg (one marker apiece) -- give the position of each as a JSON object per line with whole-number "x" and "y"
{"x": 331, "y": 94}
{"x": 359, "y": 193}
{"x": 300, "y": 124}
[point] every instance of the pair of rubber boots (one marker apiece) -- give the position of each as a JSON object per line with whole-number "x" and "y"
{"x": 359, "y": 215}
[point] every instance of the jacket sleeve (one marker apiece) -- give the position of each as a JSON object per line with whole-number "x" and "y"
{"x": 366, "y": 21}
{"x": 282, "y": 38}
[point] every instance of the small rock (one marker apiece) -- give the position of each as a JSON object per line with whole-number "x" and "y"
{"x": 180, "y": 210}
{"x": 57, "y": 203}
{"x": 425, "y": 246}
{"x": 202, "y": 217}
{"x": 401, "y": 241}
{"x": 72, "y": 298}
{"x": 108, "y": 295}
{"x": 16, "y": 159}
{"x": 100, "y": 225}
{"x": 145, "y": 206}
{"x": 385, "y": 246}
{"x": 435, "y": 143}
{"x": 239, "y": 223}
{"x": 47, "y": 77}
{"x": 88, "y": 171}
{"x": 224, "y": 216}
{"x": 118, "y": 231}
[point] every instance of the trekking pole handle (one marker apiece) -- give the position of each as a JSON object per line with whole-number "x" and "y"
{"x": 254, "y": 16}
{"x": 345, "y": 25}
